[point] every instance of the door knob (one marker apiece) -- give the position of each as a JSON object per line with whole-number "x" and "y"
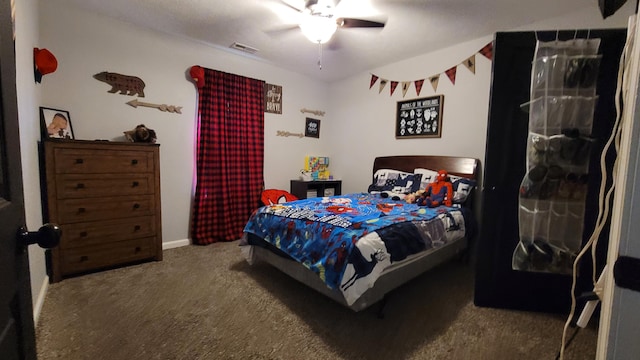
{"x": 47, "y": 237}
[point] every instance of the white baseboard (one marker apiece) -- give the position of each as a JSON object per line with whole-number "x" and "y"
{"x": 175, "y": 244}
{"x": 37, "y": 308}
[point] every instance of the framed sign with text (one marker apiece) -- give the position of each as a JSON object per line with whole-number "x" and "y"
{"x": 312, "y": 128}
{"x": 419, "y": 117}
{"x": 272, "y": 99}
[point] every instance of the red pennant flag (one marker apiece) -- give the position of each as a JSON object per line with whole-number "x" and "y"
{"x": 451, "y": 73}
{"x": 374, "y": 78}
{"x": 394, "y": 84}
{"x": 487, "y": 51}
{"x": 418, "y": 84}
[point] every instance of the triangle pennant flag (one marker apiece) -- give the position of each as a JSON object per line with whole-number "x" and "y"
{"x": 470, "y": 63}
{"x": 374, "y": 78}
{"x": 418, "y": 84}
{"x": 487, "y": 51}
{"x": 434, "y": 82}
{"x": 405, "y": 87}
{"x": 383, "y": 83}
{"x": 451, "y": 73}
{"x": 394, "y": 84}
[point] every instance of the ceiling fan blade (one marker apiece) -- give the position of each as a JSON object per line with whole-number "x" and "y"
{"x": 355, "y": 23}
{"x": 290, "y": 4}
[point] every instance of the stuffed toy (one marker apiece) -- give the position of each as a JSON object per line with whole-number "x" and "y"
{"x": 141, "y": 134}
{"x": 439, "y": 192}
{"x": 411, "y": 198}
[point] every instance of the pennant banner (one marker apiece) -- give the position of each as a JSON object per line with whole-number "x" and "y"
{"x": 418, "y": 85}
{"x": 487, "y": 51}
{"x": 394, "y": 84}
{"x": 405, "y": 87}
{"x": 434, "y": 82}
{"x": 451, "y": 74}
{"x": 373, "y": 80}
{"x": 469, "y": 63}
{"x": 383, "y": 83}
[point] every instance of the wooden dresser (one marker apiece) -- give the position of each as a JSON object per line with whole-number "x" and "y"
{"x": 105, "y": 196}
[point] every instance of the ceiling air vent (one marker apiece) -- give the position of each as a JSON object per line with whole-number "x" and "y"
{"x": 243, "y": 47}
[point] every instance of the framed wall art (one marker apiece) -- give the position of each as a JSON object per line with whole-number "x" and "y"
{"x": 55, "y": 124}
{"x": 419, "y": 117}
{"x": 312, "y": 128}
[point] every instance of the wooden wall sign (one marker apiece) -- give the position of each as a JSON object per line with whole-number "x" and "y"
{"x": 272, "y": 99}
{"x": 123, "y": 84}
{"x": 419, "y": 117}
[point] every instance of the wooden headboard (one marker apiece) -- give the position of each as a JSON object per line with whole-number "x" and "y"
{"x": 461, "y": 166}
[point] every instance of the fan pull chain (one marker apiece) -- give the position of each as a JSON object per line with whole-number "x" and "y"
{"x": 319, "y": 55}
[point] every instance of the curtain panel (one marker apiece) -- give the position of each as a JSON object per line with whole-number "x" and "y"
{"x": 229, "y": 155}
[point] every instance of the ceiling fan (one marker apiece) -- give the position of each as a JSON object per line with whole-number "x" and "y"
{"x": 319, "y": 20}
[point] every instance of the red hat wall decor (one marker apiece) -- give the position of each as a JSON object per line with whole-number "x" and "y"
{"x": 197, "y": 74}
{"x": 43, "y": 63}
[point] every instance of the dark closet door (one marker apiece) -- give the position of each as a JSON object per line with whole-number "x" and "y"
{"x": 497, "y": 285}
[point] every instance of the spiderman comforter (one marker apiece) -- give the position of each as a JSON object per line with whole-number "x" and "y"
{"x": 348, "y": 240}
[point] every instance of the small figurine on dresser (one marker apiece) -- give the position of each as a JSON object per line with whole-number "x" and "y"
{"x": 141, "y": 134}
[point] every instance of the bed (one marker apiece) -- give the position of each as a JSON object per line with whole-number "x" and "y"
{"x": 356, "y": 248}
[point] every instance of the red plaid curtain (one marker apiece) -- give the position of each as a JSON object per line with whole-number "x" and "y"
{"x": 230, "y": 156}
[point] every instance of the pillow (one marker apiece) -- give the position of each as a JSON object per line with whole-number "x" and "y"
{"x": 428, "y": 176}
{"x": 461, "y": 186}
{"x": 395, "y": 181}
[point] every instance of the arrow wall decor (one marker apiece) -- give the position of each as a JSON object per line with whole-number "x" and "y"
{"x": 162, "y": 107}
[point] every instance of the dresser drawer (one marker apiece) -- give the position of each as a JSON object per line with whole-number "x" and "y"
{"x": 93, "y": 257}
{"x": 85, "y": 161}
{"x": 107, "y": 231}
{"x": 82, "y": 186}
{"x": 94, "y": 209}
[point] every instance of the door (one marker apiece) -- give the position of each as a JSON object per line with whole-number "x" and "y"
{"x": 497, "y": 284}
{"x": 17, "y": 337}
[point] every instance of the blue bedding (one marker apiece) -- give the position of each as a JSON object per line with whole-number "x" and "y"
{"x": 348, "y": 240}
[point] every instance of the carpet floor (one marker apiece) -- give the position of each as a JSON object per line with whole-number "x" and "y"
{"x": 207, "y": 302}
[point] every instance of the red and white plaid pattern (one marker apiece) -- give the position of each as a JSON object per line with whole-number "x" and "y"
{"x": 230, "y": 156}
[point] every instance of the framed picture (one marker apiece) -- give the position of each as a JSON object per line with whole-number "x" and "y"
{"x": 419, "y": 117}
{"x": 55, "y": 124}
{"x": 312, "y": 128}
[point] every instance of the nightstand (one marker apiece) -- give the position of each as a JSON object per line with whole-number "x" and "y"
{"x": 304, "y": 189}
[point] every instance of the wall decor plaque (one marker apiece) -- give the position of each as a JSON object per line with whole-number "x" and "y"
{"x": 419, "y": 117}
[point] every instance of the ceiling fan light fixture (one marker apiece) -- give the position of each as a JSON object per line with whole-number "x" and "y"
{"x": 318, "y": 29}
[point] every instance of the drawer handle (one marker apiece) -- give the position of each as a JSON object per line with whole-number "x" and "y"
{"x": 84, "y": 258}
{"x": 80, "y": 186}
{"x": 135, "y": 184}
{"x": 136, "y": 206}
{"x": 81, "y": 210}
{"x": 79, "y": 161}
{"x": 83, "y": 234}
{"x": 138, "y": 249}
{"x": 136, "y": 228}
{"x": 134, "y": 162}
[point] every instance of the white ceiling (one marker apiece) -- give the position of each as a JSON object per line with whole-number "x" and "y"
{"x": 413, "y": 27}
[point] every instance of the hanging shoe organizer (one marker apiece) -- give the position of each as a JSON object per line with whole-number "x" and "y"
{"x": 553, "y": 191}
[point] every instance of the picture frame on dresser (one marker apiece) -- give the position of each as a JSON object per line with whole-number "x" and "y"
{"x": 55, "y": 124}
